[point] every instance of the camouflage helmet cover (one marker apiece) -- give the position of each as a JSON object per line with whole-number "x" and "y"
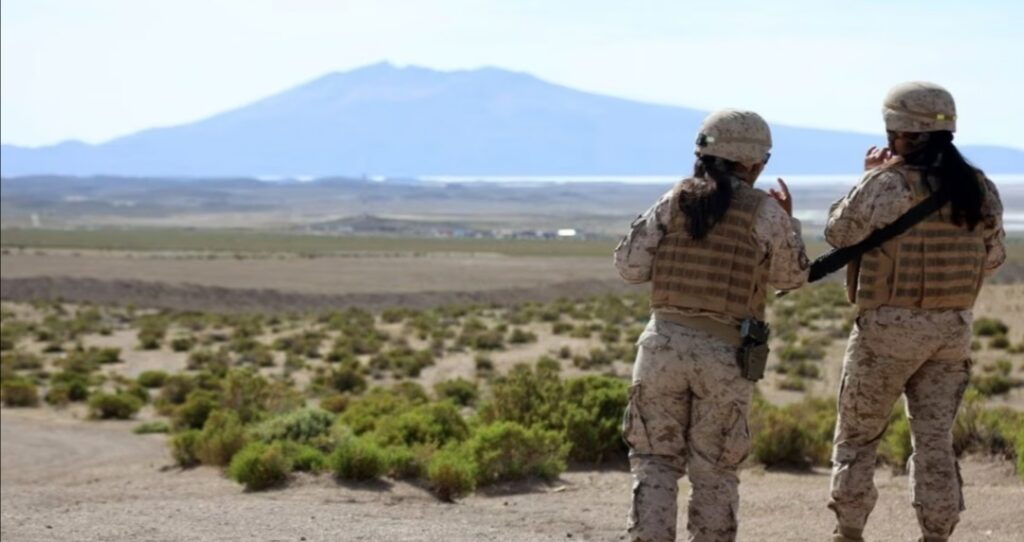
{"x": 919, "y": 106}
{"x": 740, "y": 136}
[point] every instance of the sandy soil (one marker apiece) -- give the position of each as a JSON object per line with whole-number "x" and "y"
{"x": 66, "y": 479}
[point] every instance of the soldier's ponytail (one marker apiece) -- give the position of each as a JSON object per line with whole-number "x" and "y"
{"x": 705, "y": 198}
{"x": 956, "y": 176}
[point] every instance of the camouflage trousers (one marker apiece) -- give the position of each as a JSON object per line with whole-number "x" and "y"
{"x": 924, "y": 356}
{"x": 687, "y": 409}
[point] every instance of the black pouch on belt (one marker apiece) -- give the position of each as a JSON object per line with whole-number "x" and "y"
{"x": 752, "y": 354}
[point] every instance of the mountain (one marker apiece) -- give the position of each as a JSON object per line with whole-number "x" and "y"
{"x": 386, "y": 120}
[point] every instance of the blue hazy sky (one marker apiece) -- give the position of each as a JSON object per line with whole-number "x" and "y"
{"x": 97, "y": 69}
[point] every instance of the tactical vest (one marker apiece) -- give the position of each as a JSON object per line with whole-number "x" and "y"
{"x": 722, "y": 273}
{"x": 934, "y": 265}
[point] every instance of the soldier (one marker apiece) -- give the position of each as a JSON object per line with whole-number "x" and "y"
{"x": 914, "y": 295}
{"x": 710, "y": 247}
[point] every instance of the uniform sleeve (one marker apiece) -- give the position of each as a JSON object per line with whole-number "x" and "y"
{"x": 634, "y": 257}
{"x": 781, "y": 238}
{"x": 995, "y": 248}
{"x": 878, "y": 199}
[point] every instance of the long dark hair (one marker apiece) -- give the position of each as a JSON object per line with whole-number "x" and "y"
{"x": 705, "y": 197}
{"x": 957, "y": 177}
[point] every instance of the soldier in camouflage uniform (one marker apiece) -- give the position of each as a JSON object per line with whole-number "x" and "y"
{"x": 914, "y": 295}
{"x": 710, "y": 247}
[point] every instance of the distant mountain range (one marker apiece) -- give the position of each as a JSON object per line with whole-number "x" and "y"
{"x": 386, "y": 120}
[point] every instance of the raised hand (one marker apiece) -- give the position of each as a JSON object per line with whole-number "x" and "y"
{"x": 782, "y": 196}
{"x": 876, "y": 157}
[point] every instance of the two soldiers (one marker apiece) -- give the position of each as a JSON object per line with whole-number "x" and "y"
{"x": 713, "y": 245}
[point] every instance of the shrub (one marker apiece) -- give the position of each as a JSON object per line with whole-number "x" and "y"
{"x": 104, "y": 356}
{"x": 304, "y": 426}
{"x": 192, "y": 414}
{"x": 260, "y": 466}
{"x": 157, "y": 426}
{"x": 430, "y": 423}
{"x": 592, "y": 417}
{"x": 183, "y": 448}
{"x": 305, "y": 458}
{"x": 365, "y": 413}
{"x": 521, "y": 336}
{"x": 509, "y": 451}
{"x": 152, "y": 379}
{"x": 990, "y": 327}
{"x": 896, "y": 448}
{"x": 994, "y": 384}
{"x": 796, "y": 435}
{"x": 151, "y": 335}
{"x": 221, "y": 438}
{"x": 358, "y": 459}
{"x": 483, "y": 364}
{"x": 347, "y": 378}
{"x": 460, "y": 391}
{"x": 403, "y": 463}
{"x": 121, "y": 406}
{"x": 183, "y": 344}
{"x": 20, "y": 360}
{"x": 215, "y": 361}
{"x": 252, "y": 396}
{"x": 451, "y": 474}
{"x": 75, "y": 385}
{"x": 19, "y": 392}
{"x": 175, "y": 389}
{"x": 999, "y": 342}
{"x": 336, "y": 403}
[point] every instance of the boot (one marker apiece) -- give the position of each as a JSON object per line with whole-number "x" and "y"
{"x": 848, "y": 534}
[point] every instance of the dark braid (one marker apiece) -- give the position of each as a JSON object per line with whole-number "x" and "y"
{"x": 957, "y": 177}
{"x": 705, "y": 198}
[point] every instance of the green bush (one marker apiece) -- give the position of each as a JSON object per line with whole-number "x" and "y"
{"x": 896, "y": 448}
{"x": 990, "y": 385}
{"x": 157, "y": 426}
{"x": 19, "y": 392}
{"x": 999, "y": 342}
{"x": 347, "y": 378}
{"x": 990, "y": 327}
{"x": 152, "y": 379}
{"x": 451, "y": 474}
{"x": 366, "y": 412}
{"x": 358, "y": 459}
{"x": 183, "y": 448}
{"x": 403, "y": 463}
{"x": 305, "y": 458}
{"x": 797, "y": 435}
{"x": 260, "y": 466}
{"x": 1019, "y": 450}
{"x": 221, "y": 438}
{"x": 183, "y": 344}
{"x": 508, "y": 451}
{"x": 254, "y": 397}
{"x": 460, "y": 391}
{"x": 175, "y": 389}
{"x": 192, "y": 414}
{"x": 121, "y": 406}
{"x": 336, "y": 403}
{"x": 592, "y": 418}
{"x": 305, "y": 425}
{"x": 429, "y": 423}
{"x": 20, "y": 360}
{"x": 72, "y": 386}
{"x": 521, "y": 336}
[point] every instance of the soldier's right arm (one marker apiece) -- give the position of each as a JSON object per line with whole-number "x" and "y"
{"x": 634, "y": 257}
{"x": 781, "y": 237}
{"x": 877, "y": 200}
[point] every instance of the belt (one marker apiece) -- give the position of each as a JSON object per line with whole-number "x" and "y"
{"x": 719, "y": 330}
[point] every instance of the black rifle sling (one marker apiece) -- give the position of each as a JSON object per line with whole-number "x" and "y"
{"x": 836, "y": 258}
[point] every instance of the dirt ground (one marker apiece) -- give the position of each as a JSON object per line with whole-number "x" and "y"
{"x": 67, "y": 479}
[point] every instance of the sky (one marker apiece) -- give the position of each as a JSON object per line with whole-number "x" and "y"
{"x": 93, "y": 70}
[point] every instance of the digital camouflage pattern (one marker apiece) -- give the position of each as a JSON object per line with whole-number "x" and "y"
{"x": 740, "y": 136}
{"x": 688, "y": 405}
{"x": 919, "y": 106}
{"x": 687, "y": 411}
{"x": 921, "y": 354}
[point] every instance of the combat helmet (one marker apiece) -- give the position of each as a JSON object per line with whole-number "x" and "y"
{"x": 740, "y": 136}
{"x": 919, "y": 106}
